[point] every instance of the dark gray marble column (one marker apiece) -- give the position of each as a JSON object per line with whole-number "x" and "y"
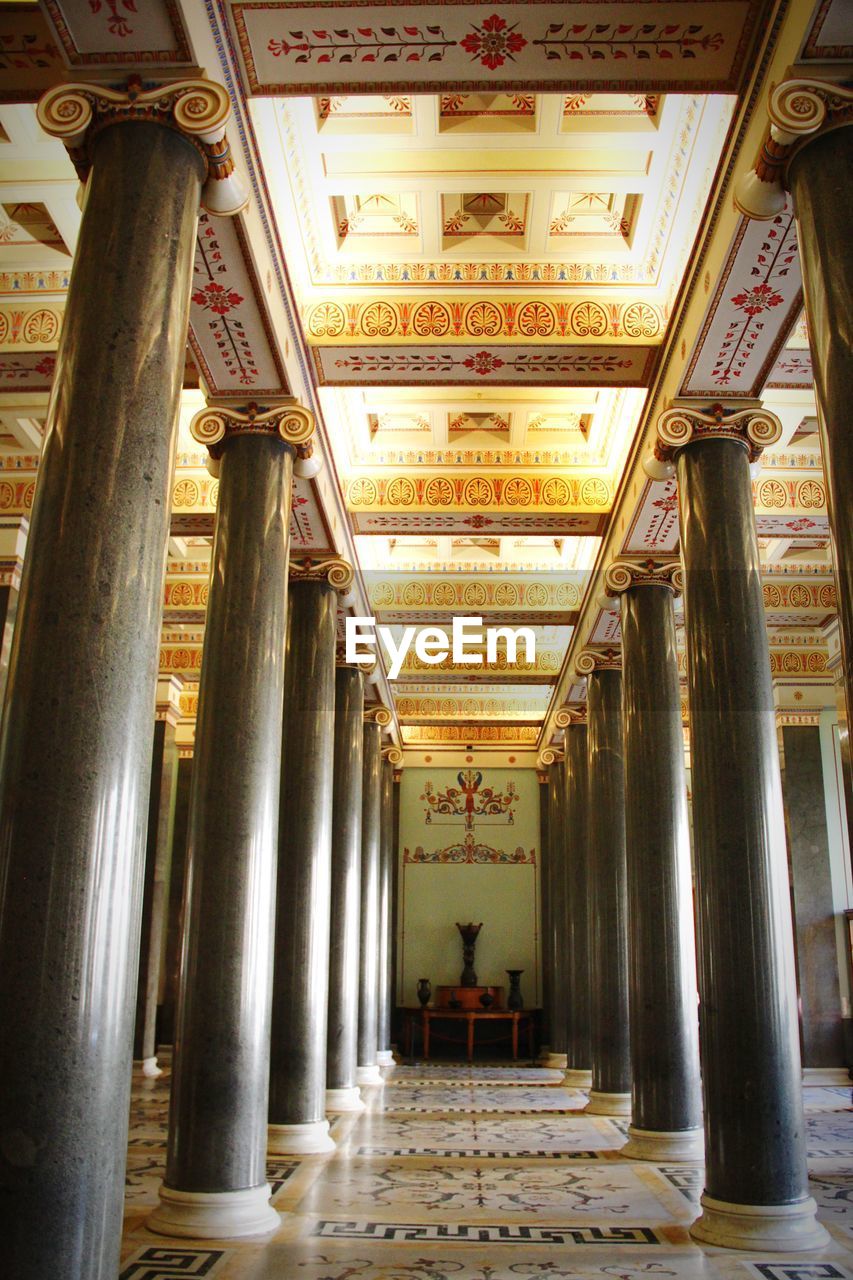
{"x": 215, "y": 1181}
{"x": 297, "y": 1110}
{"x": 821, "y": 178}
{"x": 578, "y": 1048}
{"x": 342, "y": 1092}
{"x": 608, "y": 893}
{"x": 75, "y": 759}
{"x": 666, "y": 1107}
{"x": 384, "y": 1056}
{"x": 368, "y": 970}
{"x": 556, "y": 941}
{"x": 756, "y": 1190}
{"x": 158, "y": 861}
{"x": 544, "y": 905}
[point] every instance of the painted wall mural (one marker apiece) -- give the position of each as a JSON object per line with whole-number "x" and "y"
{"x": 469, "y": 850}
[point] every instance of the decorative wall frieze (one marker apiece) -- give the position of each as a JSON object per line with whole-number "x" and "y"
{"x": 755, "y": 428}
{"x": 504, "y": 594}
{"x": 440, "y": 492}
{"x": 799, "y": 110}
{"x": 526, "y": 319}
{"x": 622, "y": 575}
{"x": 496, "y": 735}
{"x": 198, "y": 109}
{"x": 120, "y": 31}
{"x": 216, "y": 424}
{"x": 30, "y": 328}
{"x": 338, "y": 573}
{"x": 591, "y": 660}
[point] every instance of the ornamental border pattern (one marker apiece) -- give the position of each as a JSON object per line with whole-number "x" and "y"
{"x": 478, "y": 492}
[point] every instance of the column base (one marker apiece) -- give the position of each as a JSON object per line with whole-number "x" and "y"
{"x": 385, "y": 1058}
{"x": 214, "y": 1215}
{"x": 369, "y": 1075}
{"x": 658, "y": 1144}
{"x": 344, "y": 1100}
{"x": 149, "y": 1068}
{"x": 578, "y": 1079}
{"x": 608, "y": 1104}
{"x": 827, "y": 1076}
{"x": 558, "y": 1060}
{"x": 777, "y": 1228}
{"x": 309, "y": 1139}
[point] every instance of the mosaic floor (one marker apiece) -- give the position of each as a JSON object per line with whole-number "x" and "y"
{"x": 459, "y": 1173}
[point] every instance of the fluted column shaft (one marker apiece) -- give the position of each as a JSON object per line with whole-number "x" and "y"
{"x": 821, "y": 178}
{"x": 577, "y": 906}
{"x": 754, "y": 1130}
{"x": 301, "y": 971}
{"x": 556, "y": 941}
{"x": 608, "y": 897}
{"x": 368, "y": 969}
{"x": 666, "y": 1109}
{"x": 75, "y": 758}
{"x": 383, "y": 1020}
{"x": 217, "y": 1123}
{"x": 342, "y": 1037}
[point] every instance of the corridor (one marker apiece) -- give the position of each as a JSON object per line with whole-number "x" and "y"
{"x": 482, "y": 1173}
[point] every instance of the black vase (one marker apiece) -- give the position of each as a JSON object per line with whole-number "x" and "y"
{"x": 424, "y": 991}
{"x": 514, "y": 1000}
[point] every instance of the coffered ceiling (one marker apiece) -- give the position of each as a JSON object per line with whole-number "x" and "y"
{"x": 486, "y": 245}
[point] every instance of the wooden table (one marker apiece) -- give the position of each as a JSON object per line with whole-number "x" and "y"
{"x": 471, "y": 1017}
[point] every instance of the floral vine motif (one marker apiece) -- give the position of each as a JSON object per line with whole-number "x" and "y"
{"x": 117, "y": 23}
{"x": 623, "y": 40}
{"x": 483, "y": 363}
{"x": 219, "y": 300}
{"x": 773, "y": 263}
{"x": 365, "y": 44}
{"x": 493, "y": 42}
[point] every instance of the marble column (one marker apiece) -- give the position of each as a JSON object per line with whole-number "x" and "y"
{"x": 666, "y": 1107}
{"x": 556, "y": 940}
{"x": 810, "y": 151}
{"x": 75, "y": 757}
{"x": 544, "y": 904}
{"x": 297, "y": 1109}
{"x": 608, "y": 893}
{"x": 756, "y": 1191}
{"x": 215, "y": 1184}
{"x": 384, "y": 1056}
{"x": 158, "y": 862}
{"x": 13, "y": 546}
{"x": 368, "y": 1071}
{"x": 342, "y": 1093}
{"x": 578, "y": 1049}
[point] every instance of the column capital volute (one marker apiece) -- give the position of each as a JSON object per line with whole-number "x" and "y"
{"x": 198, "y": 109}
{"x": 338, "y": 573}
{"x": 549, "y": 756}
{"x": 377, "y": 715}
{"x": 799, "y": 110}
{"x": 393, "y": 755}
{"x": 566, "y": 716}
{"x": 589, "y": 661}
{"x": 753, "y": 426}
{"x": 286, "y": 418}
{"x": 368, "y": 667}
{"x": 622, "y": 575}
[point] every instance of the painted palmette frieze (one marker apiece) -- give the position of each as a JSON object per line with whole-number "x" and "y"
{"x": 504, "y": 594}
{"x": 29, "y": 328}
{"x": 798, "y": 109}
{"x": 198, "y": 109}
{"x": 496, "y": 735}
{"x": 523, "y": 320}
{"x": 439, "y": 492}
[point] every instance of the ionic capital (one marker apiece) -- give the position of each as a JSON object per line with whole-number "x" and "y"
{"x": 591, "y": 660}
{"x": 338, "y": 573}
{"x": 287, "y": 419}
{"x": 393, "y": 755}
{"x": 622, "y": 575}
{"x": 198, "y": 109}
{"x": 798, "y": 110}
{"x": 567, "y": 716}
{"x": 754, "y": 428}
{"x": 550, "y": 755}
{"x": 377, "y": 715}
